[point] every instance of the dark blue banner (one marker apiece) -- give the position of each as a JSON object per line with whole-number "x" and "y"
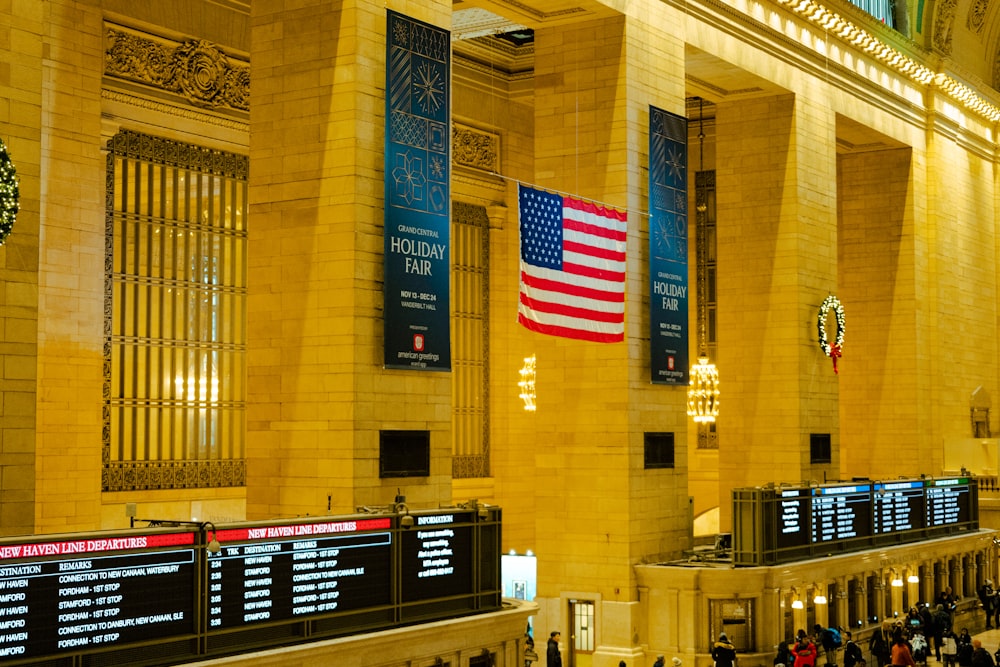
{"x": 668, "y": 258}
{"x": 417, "y": 198}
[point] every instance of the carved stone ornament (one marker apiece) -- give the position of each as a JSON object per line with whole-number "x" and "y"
{"x": 196, "y": 69}
{"x": 943, "y": 23}
{"x": 977, "y": 16}
{"x": 475, "y": 148}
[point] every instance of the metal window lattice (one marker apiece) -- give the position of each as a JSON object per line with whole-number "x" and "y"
{"x": 470, "y": 324}
{"x": 175, "y": 316}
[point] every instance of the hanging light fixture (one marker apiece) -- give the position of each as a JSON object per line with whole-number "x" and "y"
{"x": 527, "y": 384}
{"x": 896, "y": 581}
{"x": 703, "y": 394}
{"x": 819, "y": 597}
{"x": 796, "y": 602}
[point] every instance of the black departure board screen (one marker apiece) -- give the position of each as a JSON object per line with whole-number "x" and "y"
{"x": 88, "y": 594}
{"x": 899, "y": 506}
{"x": 792, "y": 524}
{"x": 437, "y": 557}
{"x": 156, "y": 595}
{"x": 949, "y": 502}
{"x": 273, "y": 573}
{"x": 781, "y": 524}
{"x": 841, "y": 512}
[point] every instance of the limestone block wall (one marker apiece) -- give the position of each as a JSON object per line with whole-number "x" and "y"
{"x": 70, "y": 270}
{"x": 20, "y": 114}
{"x": 317, "y": 393}
{"x": 777, "y": 224}
{"x": 881, "y": 395}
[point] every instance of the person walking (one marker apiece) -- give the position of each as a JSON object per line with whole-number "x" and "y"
{"x": 853, "y": 655}
{"x": 880, "y": 645}
{"x": 949, "y": 648}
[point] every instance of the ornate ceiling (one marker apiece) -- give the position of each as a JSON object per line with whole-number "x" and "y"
{"x": 960, "y": 37}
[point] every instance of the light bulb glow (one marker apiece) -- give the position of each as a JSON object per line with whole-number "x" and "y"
{"x": 527, "y": 384}
{"x": 703, "y": 396}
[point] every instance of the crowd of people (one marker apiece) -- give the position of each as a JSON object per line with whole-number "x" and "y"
{"x": 903, "y": 642}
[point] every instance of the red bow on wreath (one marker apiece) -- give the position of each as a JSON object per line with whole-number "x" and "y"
{"x": 835, "y": 354}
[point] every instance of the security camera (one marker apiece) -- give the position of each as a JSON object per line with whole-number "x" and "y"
{"x": 406, "y": 521}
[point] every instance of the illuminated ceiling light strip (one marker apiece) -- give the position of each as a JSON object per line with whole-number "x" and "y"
{"x": 888, "y": 56}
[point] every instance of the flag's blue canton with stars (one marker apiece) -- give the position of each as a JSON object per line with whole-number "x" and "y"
{"x": 572, "y": 267}
{"x": 541, "y": 228}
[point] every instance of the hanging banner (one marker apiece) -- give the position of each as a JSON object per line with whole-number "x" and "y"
{"x": 417, "y": 199}
{"x": 668, "y": 255}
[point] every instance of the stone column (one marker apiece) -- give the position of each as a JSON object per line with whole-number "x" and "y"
{"x": 778, "y": 223}
{"x": 318, "y": 394}
{"x": 843, "y": 603}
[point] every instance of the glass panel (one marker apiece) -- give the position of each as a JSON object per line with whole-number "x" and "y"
{"x": 583, "y": 626}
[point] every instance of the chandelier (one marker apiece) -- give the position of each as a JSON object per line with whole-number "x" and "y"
{"x": 703, "y": 394}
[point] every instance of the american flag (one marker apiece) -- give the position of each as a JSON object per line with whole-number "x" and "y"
{"x": 572, "y": 267}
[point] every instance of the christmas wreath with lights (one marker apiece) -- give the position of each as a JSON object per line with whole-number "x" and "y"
{"x": 833, "y": 350}
{"x": 8, "y": 193}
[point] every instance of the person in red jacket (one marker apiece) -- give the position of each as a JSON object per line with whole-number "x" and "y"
{"x": 804, "y": 651}
{"x": 901, "y": 656}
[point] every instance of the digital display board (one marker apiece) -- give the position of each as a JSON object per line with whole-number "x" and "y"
{"x": 841, "y": 512}
{"x": 65, "y": 596}
{"x": 273, "y": 573}
{"x": 948, "y": 502}
{"x": 159, "y": 596}
{"x": 899, "y": 506}
{"x": 437, "y": 557}
{"x": 781, "y": 524}
{"x": 792, "y": 526}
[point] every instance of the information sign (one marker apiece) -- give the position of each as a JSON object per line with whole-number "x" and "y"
{"x": 437, "y": 557}
{"x": 793, "y": 518}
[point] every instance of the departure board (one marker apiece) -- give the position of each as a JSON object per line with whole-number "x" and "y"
{"x": 899, "y": 506}
{"x": 792, "y": 525}
{"x": 780, "y": 524}
{"x": 273, "y": 573}
{"x": 160, "y": 595}
{"x": 94, "y": 593}
{"x": 841, "y": 512}
{"x": 437, "y": 557}
{"x": 948, "y": 502}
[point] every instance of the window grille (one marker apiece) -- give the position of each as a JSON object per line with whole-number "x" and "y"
{"x": 175, "y": 315}
{"x": 470, "y": 341}
{"x": 880, "y": 9}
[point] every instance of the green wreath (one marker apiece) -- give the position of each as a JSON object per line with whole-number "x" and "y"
{"x": 8, "y": 193}
{"x": 833, "y": 350}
